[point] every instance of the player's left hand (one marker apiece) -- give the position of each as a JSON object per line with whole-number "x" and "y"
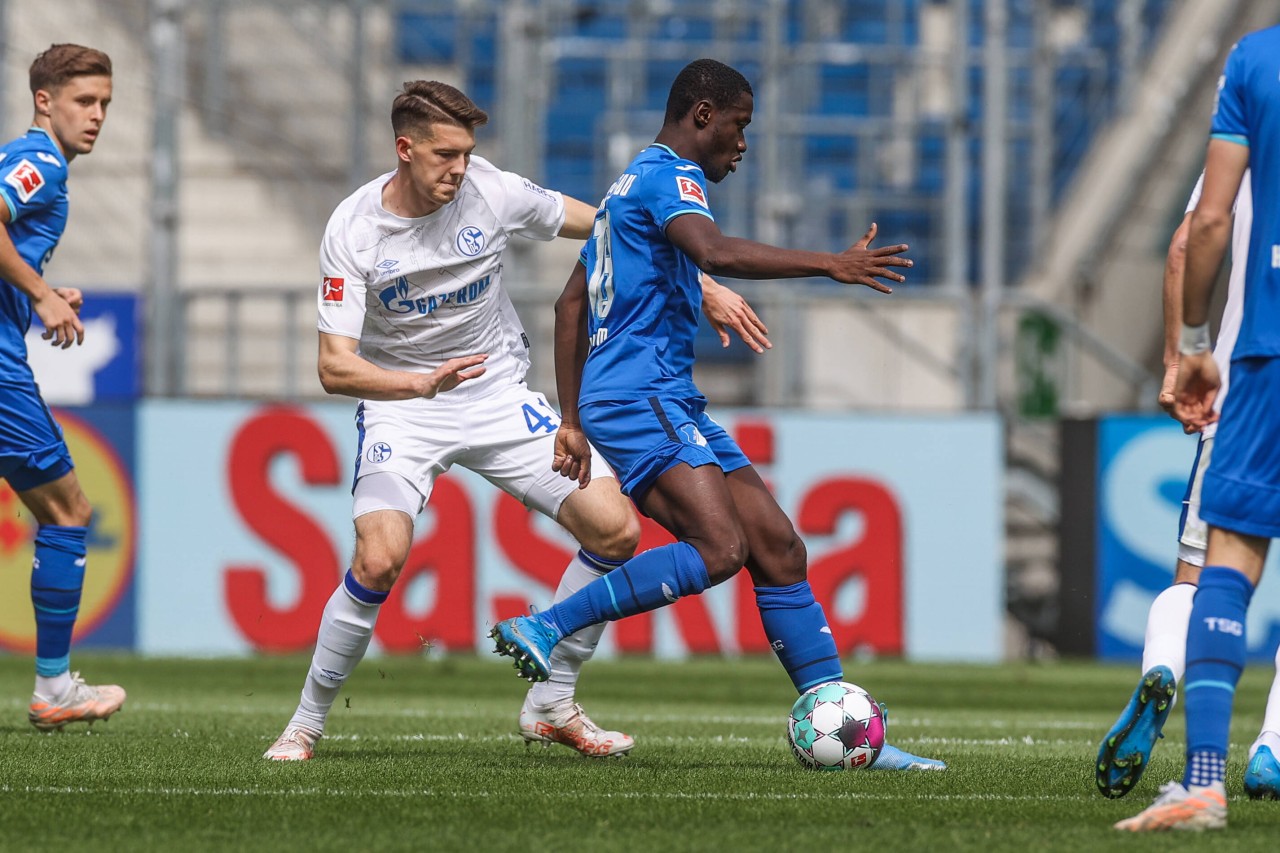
{"x": 1166, "y": 398}
{"x": 726, "y": 308}
{"x": 861, "y": 264}
{"x": 572, "y": 456}
{"x": 451, "y": 374}
{"x": 1197, "y": 387}
{"x": 73, "y": 296}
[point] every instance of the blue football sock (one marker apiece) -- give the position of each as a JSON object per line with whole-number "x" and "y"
{"x": 1215, "y": 657}
{"x": 652, "y": 579}
{"x": 56, "y": 579}
{"x": 797, "y": 630}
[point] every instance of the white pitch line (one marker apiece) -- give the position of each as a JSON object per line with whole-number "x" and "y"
{"x": 582, "y": 795}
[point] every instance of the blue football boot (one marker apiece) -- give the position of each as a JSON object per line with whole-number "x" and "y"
{"x": 1262, "y": 778}
{"x": 1125, "y": 752}
{"x": 892, "y": 758}
{"x": 529, "y": 640}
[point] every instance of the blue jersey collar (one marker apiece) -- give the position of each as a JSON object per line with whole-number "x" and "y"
{"x": 35, "y": 128}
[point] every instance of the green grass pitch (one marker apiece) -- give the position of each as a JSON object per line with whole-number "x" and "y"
{"x": 422, "y": 755}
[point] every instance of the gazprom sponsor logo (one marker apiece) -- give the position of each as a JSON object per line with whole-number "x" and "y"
{"x": 396, "y": 299}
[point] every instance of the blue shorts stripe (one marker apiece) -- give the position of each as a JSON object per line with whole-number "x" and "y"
{"x": 1186, "y": 496}
{"x": 656, "y": 405}
{"x": 359, "y": 444}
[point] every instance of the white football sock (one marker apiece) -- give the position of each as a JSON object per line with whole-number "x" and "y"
{"x": 51, "y": 688}
{"x": 345, "y": 630}
{"x": 577, "y": 648}
{"x": 1166, "y": 641}
{"x": 1271, "y": 719}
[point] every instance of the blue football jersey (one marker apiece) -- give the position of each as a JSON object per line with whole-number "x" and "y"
{"x": 1248, "y": 113}
{"x": 33, "y": 185}
{"x": 645, "y": 294}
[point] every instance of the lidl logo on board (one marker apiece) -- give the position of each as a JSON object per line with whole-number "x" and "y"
{"x": 111, "y": 543}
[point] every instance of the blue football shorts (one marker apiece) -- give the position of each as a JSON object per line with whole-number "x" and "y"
{"x": 1241, "y": 490}
{"x": 642, "y": 439}
{"x": 32, "y": 450}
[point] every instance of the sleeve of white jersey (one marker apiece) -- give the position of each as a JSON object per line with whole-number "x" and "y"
{"x": 527, "y": 209}
{"x": 342, "y": 286}
{"x": 1195, "y": 194}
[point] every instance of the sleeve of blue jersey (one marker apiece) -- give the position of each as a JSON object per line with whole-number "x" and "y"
{"x": 8, "y": 202}
{"x": 52, "y": 177}
{"x": 670, "y": 191}
{"x": 1229, "y": 115}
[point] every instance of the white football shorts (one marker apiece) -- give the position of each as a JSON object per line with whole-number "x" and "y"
{"x": 507, "y": 437}
{"x": 1193, "y": 539}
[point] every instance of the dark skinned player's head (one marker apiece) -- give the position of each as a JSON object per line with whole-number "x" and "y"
{"x": 708, "y": 109}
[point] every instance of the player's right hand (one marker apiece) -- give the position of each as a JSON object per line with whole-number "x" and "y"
{"x": 452, "y": 373}
{"x": 860, "y": 264}
{"x": 572, "y": 457}
{"x": 62, "y": 326}
{"x": 1198, "y": 384}
{"x": 1167, "y": 400}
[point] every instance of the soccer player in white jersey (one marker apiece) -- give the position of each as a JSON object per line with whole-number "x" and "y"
{"x": 414, "y": 322}
{"x": 1125, "y": 752}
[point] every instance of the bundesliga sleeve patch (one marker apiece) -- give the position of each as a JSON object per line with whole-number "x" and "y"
{"x": 25, "y": 178}
{"x": 690, "y": 190}
{"x": 331, "y": 290}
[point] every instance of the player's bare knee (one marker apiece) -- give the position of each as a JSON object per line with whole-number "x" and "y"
{"x": 725, "y": 556}
{"x": 783, "y": 565}
{"x": 377, "y": 568}
{"x": 79, "y": 511}
{"x": 619, "y": 542}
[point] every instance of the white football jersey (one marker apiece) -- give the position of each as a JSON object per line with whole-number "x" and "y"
{"x": 417, "y": 292}
{"x": 1233, "y": 311}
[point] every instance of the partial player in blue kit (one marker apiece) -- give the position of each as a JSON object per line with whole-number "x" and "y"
{"x": 625, "y": 327}
{"x": 1240, "y": 498}
{"x": 71, "y": 88}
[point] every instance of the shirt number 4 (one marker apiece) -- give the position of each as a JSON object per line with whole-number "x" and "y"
{"x": 540, "y": 420}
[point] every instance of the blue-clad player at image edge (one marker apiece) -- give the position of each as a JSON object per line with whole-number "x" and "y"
{"x": 1240, "y": 498}
{"x": 71, "y": 89}
{"x": 625, "y": 326}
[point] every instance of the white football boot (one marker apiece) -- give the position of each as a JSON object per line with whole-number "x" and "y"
{"x": 296, "y": 743}
{"x": 82, "y": 703}
{"x": 566, "y": 723}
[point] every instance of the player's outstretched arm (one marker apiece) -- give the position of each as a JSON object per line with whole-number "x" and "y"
{"x": 61, "y": 323}
{"x": 726, "y": 310}
{"x": 716, "y": 254}
{"x": 343, "y": 371}
{"x": 579, "y": 218}
{"x": 572, "y": 457}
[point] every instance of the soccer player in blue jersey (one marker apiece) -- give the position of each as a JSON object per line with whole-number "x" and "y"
{"x": 1241, "y": 494}
{"x": 71, "y": 87}
{"x": 1125, "y": 752}
{"x": 625, "y": 326}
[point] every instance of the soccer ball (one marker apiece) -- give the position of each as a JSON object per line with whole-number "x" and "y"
{"x": 836, "y": 726}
